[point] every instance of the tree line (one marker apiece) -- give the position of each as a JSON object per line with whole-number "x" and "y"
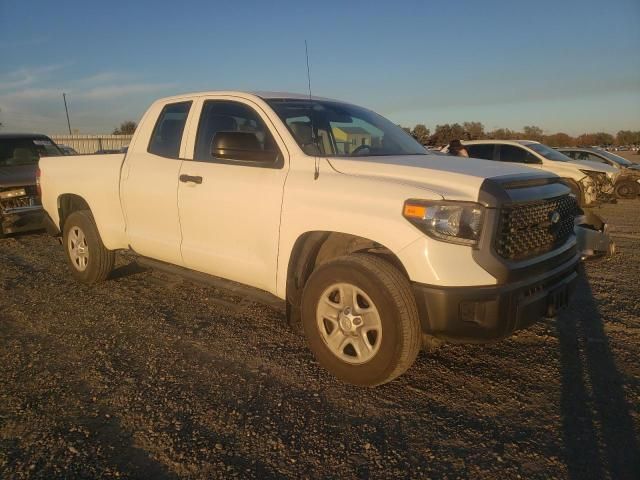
{"x": 443, "y": 134}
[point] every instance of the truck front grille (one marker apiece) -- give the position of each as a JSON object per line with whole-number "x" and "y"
{"x": 533, "y": 228}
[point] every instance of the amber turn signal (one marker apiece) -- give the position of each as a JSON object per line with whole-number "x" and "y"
{"x": 414, "y": 211}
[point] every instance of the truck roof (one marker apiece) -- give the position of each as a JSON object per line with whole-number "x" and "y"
{"x": 264, "y": 95}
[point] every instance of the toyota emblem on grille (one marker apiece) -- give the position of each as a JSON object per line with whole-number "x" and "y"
{"x": 554, "y": 217}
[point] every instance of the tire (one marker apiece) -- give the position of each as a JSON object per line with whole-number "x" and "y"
{"x": 379, "y": 329}
{"x": 626, "y": 189}
{"x": 88, "y": 258}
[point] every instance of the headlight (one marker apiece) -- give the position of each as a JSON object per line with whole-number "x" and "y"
{"x": 453, "y": 222}
{"x": 595, "y": 175}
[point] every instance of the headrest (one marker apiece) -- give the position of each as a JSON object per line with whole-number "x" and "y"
{"x": 302, "y": 132}
{"x": 232, "y": 141}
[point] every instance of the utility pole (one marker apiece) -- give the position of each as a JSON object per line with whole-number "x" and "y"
{"x": 64, "y": 97}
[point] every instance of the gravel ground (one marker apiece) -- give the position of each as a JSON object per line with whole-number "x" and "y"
{"x": 151, "y": 376}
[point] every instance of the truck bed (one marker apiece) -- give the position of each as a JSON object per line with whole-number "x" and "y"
{"x": 93, "y": 178}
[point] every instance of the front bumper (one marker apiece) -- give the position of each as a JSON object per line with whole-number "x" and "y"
{"x": 487, "y": 313}
{"x": 16, "y": 220}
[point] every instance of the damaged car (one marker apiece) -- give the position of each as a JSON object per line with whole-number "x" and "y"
{"x": 20, "y": 205}
{"x": 628, "y": 182}
{"x": 592, "y": 184}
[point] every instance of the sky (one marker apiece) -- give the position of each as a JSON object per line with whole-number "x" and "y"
{"x": 571, "y": 66}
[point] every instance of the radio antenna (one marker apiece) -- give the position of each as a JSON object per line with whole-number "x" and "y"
{"x": 306, "y": 53}
{"x": 316, "y": 172}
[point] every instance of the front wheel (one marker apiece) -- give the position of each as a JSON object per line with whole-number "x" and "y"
{"x": 627, "y": 189}
{"x": 90, "y": 261}
{"x": 360, "y": 319}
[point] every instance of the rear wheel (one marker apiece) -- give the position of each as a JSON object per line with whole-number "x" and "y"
{"x": 627, "y": 189}
{"x": 360, "y": 319}
{"x": 90, "y": 261}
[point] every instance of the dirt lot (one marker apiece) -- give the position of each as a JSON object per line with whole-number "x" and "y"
{"x": 150, "y": 376}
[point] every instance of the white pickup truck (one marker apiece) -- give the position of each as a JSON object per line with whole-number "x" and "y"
{"x": 376, "y": 246}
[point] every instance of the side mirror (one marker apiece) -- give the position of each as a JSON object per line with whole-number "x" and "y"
{"x": 241, "y": 146}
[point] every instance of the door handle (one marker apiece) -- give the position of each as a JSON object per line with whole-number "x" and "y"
{"x": 189, "y": 178}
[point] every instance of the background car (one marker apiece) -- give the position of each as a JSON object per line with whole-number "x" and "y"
{"x": 20, "y": 205}
{"x": 627, "y": 184}
{"x": 591, "y": 182}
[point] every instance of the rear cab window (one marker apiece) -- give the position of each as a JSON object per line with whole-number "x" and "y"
{"x": 167, "y": 134}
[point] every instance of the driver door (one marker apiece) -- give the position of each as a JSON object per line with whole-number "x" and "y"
{"x": 230, "y": 193}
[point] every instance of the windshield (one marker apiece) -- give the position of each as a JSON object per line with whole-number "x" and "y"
{"x": 548, "y": 153}
{"x": 25, "y": 150}
{"x": 336, "y": 129}
{"x": 616, "y": 158}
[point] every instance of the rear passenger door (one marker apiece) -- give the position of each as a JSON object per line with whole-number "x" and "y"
{"x": 149, "y": 187}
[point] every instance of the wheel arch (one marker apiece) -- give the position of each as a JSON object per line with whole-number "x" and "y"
{"x": 69, "y": 203}
{"x": 315, "y": 248}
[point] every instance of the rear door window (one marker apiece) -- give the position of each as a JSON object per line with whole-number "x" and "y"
{"x": 167, "y": 134}
{"x": 510, "y": 153}
{"x": 484, "y": 151}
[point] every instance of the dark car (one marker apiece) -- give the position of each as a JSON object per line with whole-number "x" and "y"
{"x": 67, "y": 150}
{"x": 628, "y": 182}
{"x": 20, "y": 205}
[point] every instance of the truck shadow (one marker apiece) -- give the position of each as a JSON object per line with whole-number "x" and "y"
{"x": 131, "y": 268}
{"x": 597, "y": 426}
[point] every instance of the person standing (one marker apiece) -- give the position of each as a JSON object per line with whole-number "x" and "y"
{"x": 457, "y": 149}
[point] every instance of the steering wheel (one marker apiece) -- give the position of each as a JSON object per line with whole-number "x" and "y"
{"x": 359, "y": 149}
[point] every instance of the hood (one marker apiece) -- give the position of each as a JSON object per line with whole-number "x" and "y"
{"x": 18, "y": 175}
{"x": 573, "y": 169}
{"x": 595, "y": 166}
{"x": 453, "y": 178}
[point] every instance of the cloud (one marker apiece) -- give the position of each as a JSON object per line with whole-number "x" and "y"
{"x": 13, "y": 44}
{"x": 30, "y": 94}
{"x": 24, "y": 77}
{"x": 105, "y": 77}
{"x": 31, "y": 99}
{"x": 108, "y": 92}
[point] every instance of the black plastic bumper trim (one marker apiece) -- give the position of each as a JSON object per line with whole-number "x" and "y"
{"x": 479, "y": 314}
{"x": 22, "y": 222}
